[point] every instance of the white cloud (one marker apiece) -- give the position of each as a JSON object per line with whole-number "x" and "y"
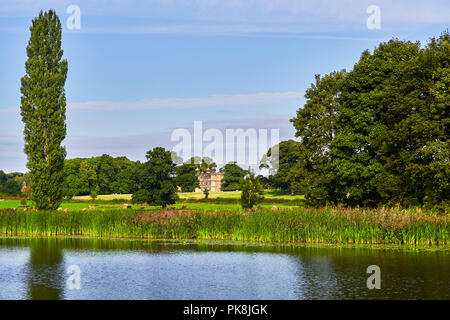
{"x": 177, "y": 103}
{"x": 181, "y": 103}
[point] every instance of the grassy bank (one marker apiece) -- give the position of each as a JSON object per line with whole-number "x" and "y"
{"x": 305, "y": 225}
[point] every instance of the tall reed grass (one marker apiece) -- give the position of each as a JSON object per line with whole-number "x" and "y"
{"x": 305, "y": 225}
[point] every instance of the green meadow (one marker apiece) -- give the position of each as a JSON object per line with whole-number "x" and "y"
{"x": 199, "y": 196}
{"x": 188, "y": 200}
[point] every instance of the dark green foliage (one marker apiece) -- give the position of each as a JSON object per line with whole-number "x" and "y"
{"x": 379, "y": 134}
{"x": 141, "y": 196}
{"x": 11, "y": 183}
{"x": 251, "y": 191}
{"x": 393, "y": 141}
{"x": 186, "y": 177}
{"x": 372, "y": 109}
{"x": 186, "y": 174}
{"x": 233, "y": 175}
{"x": 115, "y": 175}
{"x": 266, "y": 182}
{"x": 11, "y": 187}
{"x": 3, "y": 177}
{"x": 285, "y": 155}
{"x": 22, "y": 179}
{"x": 43, "y": 110}
{"x": 316, "y": 127}
{"x": 104, "y": 175}
{"x": 156, "y": 180}
{"x": 3, "y": 180}
{"x": 206, "y": 193}
{"x": 88, "y": 176}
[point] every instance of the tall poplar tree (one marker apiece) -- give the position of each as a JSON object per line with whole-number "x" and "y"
{"x": 43, "y": 110}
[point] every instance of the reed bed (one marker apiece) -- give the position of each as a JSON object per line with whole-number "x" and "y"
{"x": 299, "y": 225}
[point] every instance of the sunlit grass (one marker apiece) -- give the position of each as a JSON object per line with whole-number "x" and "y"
{"x": 197, "y": 196}
{"x": 105, "y": 197}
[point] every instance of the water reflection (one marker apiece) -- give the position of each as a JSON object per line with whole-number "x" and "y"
{"x": 340, "y": 273}
{"x": 45, "y": 270}
{"x": 140, "y": 269}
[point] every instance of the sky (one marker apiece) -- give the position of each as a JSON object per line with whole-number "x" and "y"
{"x": 138, "y": 70}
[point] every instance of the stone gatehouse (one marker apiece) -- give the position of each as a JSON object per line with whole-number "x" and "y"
{"x": 210, "y": 179}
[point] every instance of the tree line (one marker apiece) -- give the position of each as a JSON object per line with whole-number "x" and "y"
{"x": 108, "y": 175}
{"x": 376, "y": 135}
{"x": 11, "y": 183}
{"x": 155, "y": 181}
{"x": 119, "y": 175}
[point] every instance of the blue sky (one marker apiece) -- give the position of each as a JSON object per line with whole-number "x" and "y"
{"x": 140, "y": 69}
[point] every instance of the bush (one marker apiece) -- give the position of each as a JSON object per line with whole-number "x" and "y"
{"x": 251, "y": 191}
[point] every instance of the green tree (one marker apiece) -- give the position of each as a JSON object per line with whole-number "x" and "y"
{"x": 11, "y": 187}
{"x": 203, "y": 164}
{"x": 88, "y": 176}
{"x": 379, "y": 133}
{"x": 127, "y": 178}
{"x": 266, "y": 182}
{"x": 186, "y": 177}
{"x": 233, "y": 175}
{"x": 3, "y": 180}
{"x": 43, "y": 110}
{"x": 207, "y": 164}
{"x": 251, "y": 191}
{"x": 3, "y": 177}
{"x": 108, "y": 169}
{"x": 72, "y": 184}
{"x": 374, "y": 110}
{"x": 424, "y": 163}
{"x": 392, "y": 142}
{"x": 315, "y": 125}
{"x": 112, "y": 175}
{"x": 93, "y": 195}
{"x": 280, "y": 159}
{"x": 23, "y": 179}
{"x": 156, "y": 179}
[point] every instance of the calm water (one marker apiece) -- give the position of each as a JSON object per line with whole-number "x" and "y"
{"x": 123, "y": 269}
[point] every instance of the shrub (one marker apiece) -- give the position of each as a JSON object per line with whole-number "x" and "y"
{"x": 251, "y": 191}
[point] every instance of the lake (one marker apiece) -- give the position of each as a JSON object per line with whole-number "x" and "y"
{"x": 51, "y": 268}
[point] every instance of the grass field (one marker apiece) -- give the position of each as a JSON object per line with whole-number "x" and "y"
{"x": 188, "y": 200}
{"x": 198, "y": 195}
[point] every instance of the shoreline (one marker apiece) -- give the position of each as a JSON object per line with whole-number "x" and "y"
{"x": 243, "y": 243}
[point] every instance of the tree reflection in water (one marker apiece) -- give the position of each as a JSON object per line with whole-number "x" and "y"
{"x": 45, "y": 270}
